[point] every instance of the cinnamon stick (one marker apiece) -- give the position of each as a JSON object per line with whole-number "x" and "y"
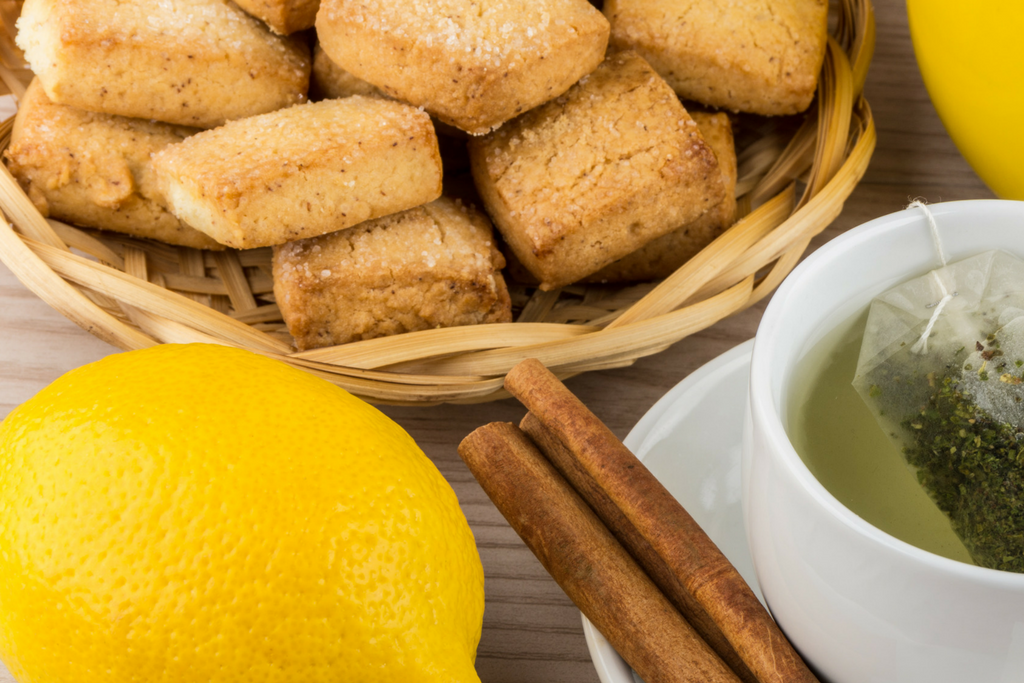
{"x": 588, "y": 563}
{"x": 623, "y": 530}
{"x": 664, "y": 539}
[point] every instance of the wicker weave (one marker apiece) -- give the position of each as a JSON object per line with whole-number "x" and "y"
{"x": 135, "y": 293}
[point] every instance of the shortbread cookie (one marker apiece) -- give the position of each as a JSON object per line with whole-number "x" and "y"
{"x": 283, "y": 16}
{"x": 189, "y": 62}
{"x": 472, "y": 63}
{"x": 303, "y": 171}
{"x": 663, "y": 256}
{"x": 432, "y": 266}
{"x": 330, "y": 81}
{"x": 94, "y": 170}
{"x": 582, "y": 181}
{"x": 759, "y": 56}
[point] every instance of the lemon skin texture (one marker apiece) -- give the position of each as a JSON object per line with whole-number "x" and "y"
{"x": 972, "y": 61}
{"x": 201, "y": 513}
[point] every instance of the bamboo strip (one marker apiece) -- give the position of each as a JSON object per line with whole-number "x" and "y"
{"x": 517, "y": 293}
{"x": 564, "y": 314}
{"x": 151, "y": 298}
{"x": 87, "y": 244}
{"x": 220, "y": 303}
{"x": 791, "y": 164}
{"x": 386, "y": 351}
{"x": 399, "y": 394}
{"x": 259, "y": 282}
{"x": 23, "y": 212}
{"x": 646, "y": 334}
{"x": 195, "y": 285}
{"x": 616, "y": 297}
{"x": 614, "y": 364}
{"x": 406, "y": 394}
{"x": 135, "y": 266}
{"x": 10, "y": 79}
{"x": 743, "y": 207}
{"x": 231, "y": 273}
{"x": 11, "y": 56}
{"x": 605, "y": 320}
{"x": 248, "y": 258}
{"x": 834, "y": 120}
{"x": 389, "y": 376}
{"x": 775, "y": 140}
{"x": 863, "y": 44}
{"x": 252, "y": 258}
{"x": 538, "y": 306}
{"x": 779, "y": 272}
{"x": 855, "y": 29}
{"x": 618, "y": 360}
{"x": 758, "y": 158}
{"x": 5, "y": 132}
{"x": 72, "y": 237}
{"x": 12, "y": 64}
{"x": 114, "y": 308}
{"x": 162, "y": 257}
{"x": 761, "y": 255}
{"x": 171, "y": 332}
{"x": 190, "y": 261}
{"x": 260, "y": 314}
{"x": 820, "y": 211}
{"x": 135, "y": 263}
{"x": 60, "y": 295}
{"x": 758, "y": 257}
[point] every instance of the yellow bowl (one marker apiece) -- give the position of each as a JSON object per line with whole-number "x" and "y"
{"x": 971, "y": 55}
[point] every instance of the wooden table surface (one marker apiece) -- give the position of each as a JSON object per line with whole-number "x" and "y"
{"x": 532, "y": 632}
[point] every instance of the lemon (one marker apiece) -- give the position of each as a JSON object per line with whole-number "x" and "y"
{"x": 972, "y": 63}
{"x": 199, "y": 513}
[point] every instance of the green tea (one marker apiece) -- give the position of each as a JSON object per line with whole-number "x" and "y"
{"x": 839, "y": 440}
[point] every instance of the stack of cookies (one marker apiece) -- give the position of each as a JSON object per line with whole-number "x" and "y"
{"x": 189, "y": 122}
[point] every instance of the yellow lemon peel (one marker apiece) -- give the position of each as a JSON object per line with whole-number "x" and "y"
{"x": 201, "y": 513}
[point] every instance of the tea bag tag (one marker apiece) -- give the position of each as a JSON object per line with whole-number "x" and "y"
{"x": 921, "y": 346}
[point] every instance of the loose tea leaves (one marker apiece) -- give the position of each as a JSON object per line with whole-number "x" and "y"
{"x": 973, "y": 468}
{"x": 942, "y": 367}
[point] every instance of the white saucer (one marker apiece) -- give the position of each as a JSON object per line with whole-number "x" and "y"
{"x": 691, "y": 441}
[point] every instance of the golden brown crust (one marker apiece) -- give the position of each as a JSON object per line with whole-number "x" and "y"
{"x": 330, "y": 81}
{"x": 472, "y": 63}
{"x": 582, "y": 181}
{"x": 432, "y": 266}
{"x": 283, "y": 16}
{"x": 759, "y": 56}
{"x": 663, "y": 256}
{"x": 190, "y": 62}
{"x": 94, "y": 169}
{"x": 303, "y": 171}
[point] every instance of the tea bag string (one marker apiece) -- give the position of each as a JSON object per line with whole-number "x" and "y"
{"x": 921, "y": 346}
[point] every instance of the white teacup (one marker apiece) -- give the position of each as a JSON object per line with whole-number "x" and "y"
{"x": 860, "y": 605}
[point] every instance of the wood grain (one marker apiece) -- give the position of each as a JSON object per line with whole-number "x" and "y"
{"x": 532, "y": 632}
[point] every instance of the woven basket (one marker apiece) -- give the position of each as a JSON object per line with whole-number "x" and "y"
{"x": 135, "y": 293}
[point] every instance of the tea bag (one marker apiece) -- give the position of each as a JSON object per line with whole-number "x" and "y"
{"x": 942, "y": 368}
